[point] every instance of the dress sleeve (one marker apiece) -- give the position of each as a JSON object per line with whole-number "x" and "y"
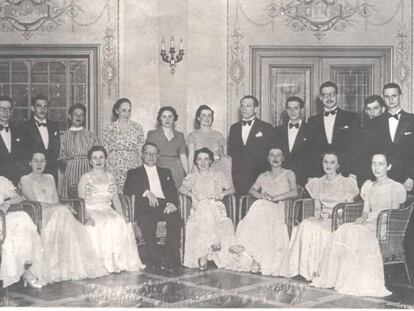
{"x": 181, "y": 144}
{"x": 313, "y": 188}
{"x": 106, "y": 138}
{"x": 365, "y": 190}
{"x": 190, "y": 139}
{"x": 188, "y": 183}
{"x": 398, "y": 193}
{"x": 259, "y": 182}
{"x": 223, "y": 182}
{"x": 350, "y": 188}
{"x": 221, "y": 140}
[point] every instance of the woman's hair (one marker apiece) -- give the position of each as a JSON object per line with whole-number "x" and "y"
{"x": 77, "y": 106}
{"x": 200, "y": 109}
{"x": 118, "y": 104}
{"x": 338, "y": 158}
{"x": 37, "y": 151}
{"x": 97, "y": 148}
{"x": 167, "y": 108}
{"x": 383, "y": 154}
{"x": 203, "y": 150}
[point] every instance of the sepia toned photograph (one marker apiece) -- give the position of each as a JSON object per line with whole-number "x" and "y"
{"x": 207, "y": 154}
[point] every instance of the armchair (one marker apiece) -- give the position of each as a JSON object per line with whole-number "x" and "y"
{"x": 33, "y": 208}
{"x": 78, "y": 204}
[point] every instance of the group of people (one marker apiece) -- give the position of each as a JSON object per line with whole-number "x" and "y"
{"x": 331, "y": 156}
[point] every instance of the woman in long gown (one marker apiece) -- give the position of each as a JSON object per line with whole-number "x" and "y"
{"x": 352, "y": 263}
{"x": 171, "y": 144}
{"x": 112, "y": 238}
{"x": 205, "y": 136}
{"x": 68, "y": 250}
{"x": 309, "y": 242}
{"x": 262, "y": 235}
{"x": 123, "y": 140}
{"x": 208, "y": 232}
{"x": 21, "y": 251}
{"x": 74, "y": 146}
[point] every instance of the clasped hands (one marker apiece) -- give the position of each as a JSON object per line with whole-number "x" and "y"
{"x": 268, "y": 197}
{"x": 153, "y": 202}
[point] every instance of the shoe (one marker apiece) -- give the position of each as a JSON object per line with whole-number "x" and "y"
{"x": 202, "y": 266}
{"x": 255, "y": 267}
{"x": 216, "y": 247}
{"x": 31, "y": 280}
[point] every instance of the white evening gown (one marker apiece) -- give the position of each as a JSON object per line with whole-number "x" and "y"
{"x": 207, "y": 223}
{"x": 68, "y": 251}
{"x": 352, "y": 262}
{"x": 263, "y": 232}
{"x": 113, "y": 239}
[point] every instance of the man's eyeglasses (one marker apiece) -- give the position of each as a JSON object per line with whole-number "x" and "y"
{"x": 328, "y": 95}
{"x": 8, "y": 109}
{"x": 150, "y": 154}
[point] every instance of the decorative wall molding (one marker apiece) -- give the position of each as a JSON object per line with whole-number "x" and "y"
{"x": 109, "y": 68}
{"x": 402, "y": 69}
{"x": 236, "y": 70}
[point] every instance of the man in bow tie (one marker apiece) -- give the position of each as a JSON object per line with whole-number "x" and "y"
{"x": 249, "y": 143}
{"x": 39, "y": 134}
{"x": 12, "y": 161}
{"x": 293, "y": 139}
{"x": 334, "y": 129}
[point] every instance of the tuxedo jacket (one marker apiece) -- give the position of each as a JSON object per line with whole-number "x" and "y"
{"x": 345, "y": 139}
{"x": 137, "y": 183}
{"x": 13, "y": 164}
{"x": 32, "y": 141}
{"x": 401, "y": 151}
{"x": 297, "y": 159}
{"x": 249, "y": 160}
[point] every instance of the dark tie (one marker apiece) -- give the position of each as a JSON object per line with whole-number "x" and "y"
{"x": 247, "y": 122}
{"x": 4, "y": 128}
{"x": 294, "y": 125}
{"x": 41, "y": 124}
{"x": 327, "y": 113}
{"x": 395, "y": 116}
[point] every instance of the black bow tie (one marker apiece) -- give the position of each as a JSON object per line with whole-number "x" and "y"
{"x": 4, "y": 128}
{"x": 327, "y": 113}
{"x": 41, "y": 124}
{"x": 395, "y": 116}
{"x": 294, "y": 125}
{"x": 247, "y": 122}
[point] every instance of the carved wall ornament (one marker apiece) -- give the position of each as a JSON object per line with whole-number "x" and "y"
{"x": 402, "y": 55}
{"x": 109, "y": 68}
{"x": 236, "y": 70}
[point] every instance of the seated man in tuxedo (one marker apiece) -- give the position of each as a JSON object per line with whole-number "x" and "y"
{"x": 292, "y": 136}
{"x": 12, "y": 161}
{"x": 156, "y": 199}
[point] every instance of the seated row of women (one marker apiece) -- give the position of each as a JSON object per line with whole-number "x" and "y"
{"x": 348, "y": 259}
{"x": 65, "y": 248}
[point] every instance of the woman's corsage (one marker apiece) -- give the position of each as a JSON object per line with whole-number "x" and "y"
{"x": 89, "y": 189}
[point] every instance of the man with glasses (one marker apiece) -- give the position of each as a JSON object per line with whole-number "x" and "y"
{"x": 156, "y": 200}
{"x": 334, "y": 129}
{"x": 12, "y": 164}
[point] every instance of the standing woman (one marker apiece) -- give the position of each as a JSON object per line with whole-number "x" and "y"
{"x": 74, "y": 146}
{"x": 171, "y": 144}
{"x": 123, "y": 139}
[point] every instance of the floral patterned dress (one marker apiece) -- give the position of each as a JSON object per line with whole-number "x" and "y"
{"x": 124, "y": 149}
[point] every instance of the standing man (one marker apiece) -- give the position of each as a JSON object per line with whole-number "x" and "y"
{"x": 12, "y": 162}
{"x": 249, "y": 143}
{"x": 374, "y": 106}
{"x": 156, "y": 200}
{"x": 292, "y": 136}
{"x": 334, "y": 129}
{"x": 41, "y": 134}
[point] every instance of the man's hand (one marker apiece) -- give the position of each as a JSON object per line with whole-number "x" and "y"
{"x": 408, "y": 184}
{"x": 153, "y": 201}
{"x": 169, "y": 208}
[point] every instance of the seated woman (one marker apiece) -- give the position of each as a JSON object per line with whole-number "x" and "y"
{"x": 112, "y": 238}
{"x": 309, "y": 242}
{"x": 352, "y": 263}
{"x": 21, "y": 252}
{"x": 209, "y": 233}
{"x": 68, "y": 250}
{"x": 262, "y": 235}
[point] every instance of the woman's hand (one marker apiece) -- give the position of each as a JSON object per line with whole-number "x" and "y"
{"x": 90, "y": 222}
{"x": 360, "y": 220}
{"x": 266, "y": 196}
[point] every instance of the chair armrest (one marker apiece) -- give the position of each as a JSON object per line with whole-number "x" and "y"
{"x": 128, "y": 207}
{"x": 345, "y": 213}
{"x": 185, "y": 203}
{"x": 78, "y": 205}
{"x": 229, "y": 202}
{"x": 301, "y": 209}
{"x": 3, "y": 228}
{"x": 32, "y": 208}
{"x": 245, "y": 202}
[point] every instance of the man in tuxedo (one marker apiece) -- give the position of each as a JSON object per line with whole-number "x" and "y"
{"x": 333, "y": 130}
{"x": 156, "y": 200}
{"x": 249, "y": 143}
{"x": 39, "y": 134}
{"x": 292, "y": 136}
{"x": 12, "y": 161}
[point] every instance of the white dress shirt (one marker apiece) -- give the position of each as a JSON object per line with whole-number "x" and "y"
{"x": 329, "y": 122}
{"x": 44, "y": 133}
{"x": 292, "y": 133}
{"x": 393, "y": 124}
{"x": 154, "y": 182}
{"x": 6, "y": 138}
{"x": 246, "y": 130}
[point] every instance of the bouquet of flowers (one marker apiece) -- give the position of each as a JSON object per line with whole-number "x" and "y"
{"x": 7, "y": 189}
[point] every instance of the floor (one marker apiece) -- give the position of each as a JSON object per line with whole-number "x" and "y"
{"x": 213, "y": 288}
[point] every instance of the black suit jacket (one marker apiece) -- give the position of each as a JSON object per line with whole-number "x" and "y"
{"x": 13, "y": 164}
{"x": 345, "y": 140}
{"x": 297, "y": 159}
{"x": 249, "y": 160}
{"x": 137, "y": 183}
{"x": 32, "y": 141}
{"x": 401, "y": 151}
